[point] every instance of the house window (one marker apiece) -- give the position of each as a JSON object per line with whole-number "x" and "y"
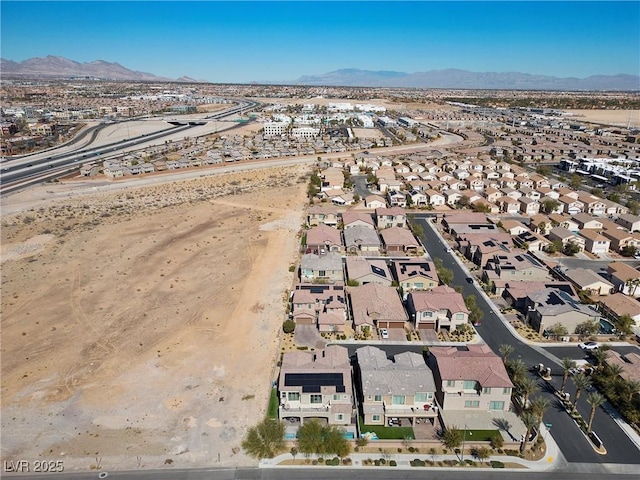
{"x": 419, "y": 285}
{"x": 377, "y": 398}
{"x": 293, "y": 396}
{"x": 496, "y": 405}
{"x": 397, "y": 400}
{"x": 459, "y": 316}
{"x": 486, "y": 390}
{"x": 339, "y": 417}
{"x": 451, "y": 383}
{"x": 506, "y": 391}
{"x": 322, "y": 273}
{"x": 469, "y": 385}
{"x": 427, "y": 314}
{"x": 420, "y": 397}
{"x": 472, "y": 404}
{"x": 336, "y": 397}
{"x": 316, "y": 398}
{"x": 375, "y": 418}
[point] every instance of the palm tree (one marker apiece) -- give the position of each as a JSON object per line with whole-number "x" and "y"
{"x": 567, "y": 364}
{"x": 632, "y": 284}
{"x": 530, "y": 421}
{"x": 526, "y": 386}
{"x": 634, "y": 387}
{"x": 505, "y": 350}
{"x": 582, "y": 382}
{"x": 600, "y": 356}
{"x": 538, "y": 406}
{"x": 595, "y": 400}
{"x": 517, "y": 369}
{"x": 614, "y": 370}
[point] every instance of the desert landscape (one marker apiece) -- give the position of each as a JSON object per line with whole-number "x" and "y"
{"x": 141, "y": 326}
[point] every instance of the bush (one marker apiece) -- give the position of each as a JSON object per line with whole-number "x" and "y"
{"x": 496, "y": 464}
{"x": 376, "y": 462}
{"x": 393, "y": 463}
{"x": 411, "y": 449}
{"x": 417, "y": 463}
{"x": 288, "y": 326}
{"x": 497, "y": 441}
{"x": 314, "y": 462}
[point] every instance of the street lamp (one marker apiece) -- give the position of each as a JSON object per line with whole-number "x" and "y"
{"x": 464, "y": 440}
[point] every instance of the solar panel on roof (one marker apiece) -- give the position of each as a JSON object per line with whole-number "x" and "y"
{"x": 313, "y": 380}
{"x": 378, "y": 271}
{"x": 317, "y": 289}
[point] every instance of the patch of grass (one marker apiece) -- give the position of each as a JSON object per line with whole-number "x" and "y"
{"x": 274, "y": 401}
{"x": 482, "y": 435}
{"x": 249, "y": 397}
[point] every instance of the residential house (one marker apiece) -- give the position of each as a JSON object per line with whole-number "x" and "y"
{"x": 375, "y": 201}
{"x": 515, "y": 293}
{"x": 588, "y": 281}
{"x": 630, "y": 363}
{"x": 391, "y": 217}
{"x": 323, "y": 214}
{"x": 323, "y": 239}
{"x": 312, "y": 303}
{"x": 415, "y": 274}
{"x": 400, "y": 240}
{"x": 564, "y": 236}
{"x": 376, "y": 306}
{"x": 592, "y": 204}
{"x": 470, "y": 378}
{"x": 563, "y": 221}
{"x": 551, "y": 306}
{"x": 515, "y": 266}
{"x": 417, "y": 198}
{"x": 317, "y": 385}
{"x": 625, "y": 278}
{"x": 570, "y": 205}
{"x": 618, "y": 304}
{"x": 513, "y": 227}
{"x": 630, "y": 222}
{"x": 395, "y": 390}
{"x": 435, "y": 198}
{"x": 619, "y": 239}
{"x": 396, "y": 198}
{"x": 509, "y": 205}
{"x": 586, "y": 221}
{"x": 361, "y": 240}
{"x": 321, "y": 268}
{"x": 352, "y": 218}
{"x": 594, "y": 242}
{"x": 532, "y": 242}
{"x": 363, "y": 271}
{"x": 529, "y": 206}
{"x": 440, "y": 308}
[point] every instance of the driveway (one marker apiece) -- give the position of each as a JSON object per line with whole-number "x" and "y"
{"x": 310, "y": 336}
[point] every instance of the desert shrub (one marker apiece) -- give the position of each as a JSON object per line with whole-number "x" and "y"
{"x": 496, "y": 464}
{"x": 497, "y": 441}
{"x": 393, "y": 463}
{"x": 417, "y": 463}
{"x": 376, "y": 462}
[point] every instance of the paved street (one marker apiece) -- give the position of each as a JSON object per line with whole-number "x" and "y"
{"x": 573, "y": 444}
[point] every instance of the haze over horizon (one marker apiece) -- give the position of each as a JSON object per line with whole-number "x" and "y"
{"x": 241, "y": 42}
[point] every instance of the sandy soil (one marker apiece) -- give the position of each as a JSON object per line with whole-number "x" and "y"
{"x": 140, "y": 327}
{"x": 620, "y": 118}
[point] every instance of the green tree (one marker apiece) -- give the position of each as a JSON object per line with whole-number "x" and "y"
{"x": 530, "y": 422}
{"x": 594, "y": 399}
{"x": 567, "y": 364}
{"x": 265, "y": 440}
{"x": 634, "y": 387}
{"x": 538, "y": 406}
{"x": 629, "y": 250}
{"x": 516, "y": 369}
{"x": 505, "y": 350}
{"x": 451, "y": 437}
{"x": 575, "y": 181}
{"x": 581, "y": 382}
{"x": 526, "y": 386}
{"x": 482, "y": 453}
{"x": 445, "y": 275}
{"x": 314, "y": 437}
{"x": 288, "y": 326}
{"x": 614, "y": 197}
{"x": 633, "y": 206}
{"x": 625, "y": 325}
{"x": 587, "y": 328}
{"x": 475, "y": 314}
{"x": 557, "y": 330}
{"x": 549, "y": 205}
{"x": 571, "y": 248}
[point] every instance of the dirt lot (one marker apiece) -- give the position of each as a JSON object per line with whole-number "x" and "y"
{"x": 620, "y": 118}
{"x": 140, "y": 327}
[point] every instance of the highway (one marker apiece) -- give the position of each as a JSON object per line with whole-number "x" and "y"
{"x": 20, "y": 172}
{"x": 573, "y": 444}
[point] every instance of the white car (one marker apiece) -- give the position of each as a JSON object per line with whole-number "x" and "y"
{"x": 384, "y": 333}
{"x": 589, "y": 346}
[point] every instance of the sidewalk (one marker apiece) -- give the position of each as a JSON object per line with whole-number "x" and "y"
{"x": 552, "y": 459}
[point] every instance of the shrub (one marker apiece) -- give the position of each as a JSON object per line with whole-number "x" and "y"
{"x": 376, "y": 462}
{"x": 417, "y": 463}
{"x": 496, "y": 464}
{"x": 393, "y": 463}
{"x": 497, "y": 441}
{"x": 288, "y": 326}
{"x": 411, "y": 449}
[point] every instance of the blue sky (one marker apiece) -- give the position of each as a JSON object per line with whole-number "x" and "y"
{"x": 252, "y": 41}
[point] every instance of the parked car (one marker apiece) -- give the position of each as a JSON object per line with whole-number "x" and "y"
{"x": 469, "y": 279}
{"x": 384, "y": 333}
{"x": 589, "y": 346}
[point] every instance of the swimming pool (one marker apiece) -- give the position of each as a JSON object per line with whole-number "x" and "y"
{"x": 289, "y": 436}
{"x": 349, "y": 435}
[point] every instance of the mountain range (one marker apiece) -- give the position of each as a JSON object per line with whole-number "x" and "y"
{"x": 464, "y": 79}
{"x": 60, "y": 67}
